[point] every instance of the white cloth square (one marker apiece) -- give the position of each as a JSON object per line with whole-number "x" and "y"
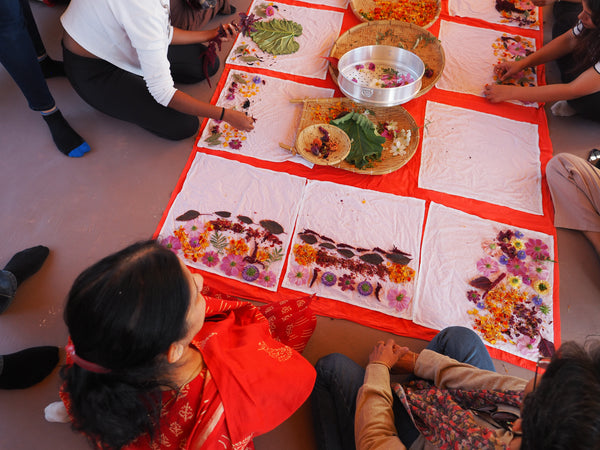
{"x": 230, "y": 216}
{"x": 481, "y": 156}
{"x": 486, "y": 10}
{"x": 470, "y": 58}
{"x": 277, "y": 119}
{"x": 457, "y": 248}
{"x": 347, "y": 223}
{"x": 320, "y": 29}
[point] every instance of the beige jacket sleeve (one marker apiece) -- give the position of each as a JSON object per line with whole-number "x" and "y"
{"x": 374, "y": 420}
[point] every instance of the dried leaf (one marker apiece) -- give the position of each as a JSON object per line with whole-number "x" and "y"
{"x": 372, "y": 258}
{"x": 345, "y": 252}
{"x": 398, "y": 258}
{"x": 224, "y": 214}
{"x": 214, "y": 139}
{"x": 327, "y": 245}
{"x": 308, "y": 238}
{"x": 271, "y": 226}
{"x": 546, "y": 348}
{"x": 277, "y": 36}
{"x": 245, "y": 219}
{"x": 481, "y": 283}
{"x": 190, "y": 215}
{"x": 236, "y": 76}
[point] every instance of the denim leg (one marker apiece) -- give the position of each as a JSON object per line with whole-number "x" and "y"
{"x": 333, "y": 401}
{"x": 18, "y": 55}
{"x": 464, "y": 345}
{"x": 8, "y": 288}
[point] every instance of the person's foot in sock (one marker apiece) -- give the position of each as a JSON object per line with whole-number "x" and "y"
{"x": 27, "y": 262}
{"x": 66, "y": 138}
{"x": 28, "y": 367}
{"x": 50, "y": 67}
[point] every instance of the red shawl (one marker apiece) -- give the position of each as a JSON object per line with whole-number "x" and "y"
{"x": 251, "y": 382}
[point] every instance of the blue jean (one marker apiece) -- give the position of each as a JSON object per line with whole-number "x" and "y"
{"x": 333, "y": 399}
{"x": 19, "y": 51}
{"x": 8, "y": 288}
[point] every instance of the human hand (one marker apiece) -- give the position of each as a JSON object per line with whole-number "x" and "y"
{"x": 506, "y": 69}
{"x": 387, "y": 354}
{"x": 239, "y": 120}
{"x": 496, "y": 93}
{"x": 230, "y": 30}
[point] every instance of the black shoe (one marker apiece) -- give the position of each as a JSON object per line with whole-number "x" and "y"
{"x": 594, "y": 157}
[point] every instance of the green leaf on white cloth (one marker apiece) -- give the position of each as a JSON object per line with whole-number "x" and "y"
{"x": 277, "y": 36}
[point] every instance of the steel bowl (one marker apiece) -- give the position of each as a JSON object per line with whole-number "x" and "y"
{"x": 359, "y": 90}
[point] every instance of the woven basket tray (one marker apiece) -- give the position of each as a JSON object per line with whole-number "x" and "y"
{"x": 393, "y": 32}
{"x": 369, "y": 5}
{"x": 309, "y": 133}
{"x": 322, "y": 110}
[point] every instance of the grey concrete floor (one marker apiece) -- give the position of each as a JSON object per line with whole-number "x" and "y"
{"x": 86, "y": 208}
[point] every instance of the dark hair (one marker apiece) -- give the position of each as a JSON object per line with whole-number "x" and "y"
{"x": 123, "y": 313}
{"x": 587, "y": 51}
{"x": 564, "y": 411}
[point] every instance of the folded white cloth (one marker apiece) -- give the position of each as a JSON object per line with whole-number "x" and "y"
{"x": 56, "y": 412}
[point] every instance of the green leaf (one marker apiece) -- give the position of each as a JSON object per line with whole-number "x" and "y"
{"x": 366, "y": 144}
{"x": 277, "y": 255}
{"x": 277, "y": 36}
{"x": 218, "y": 241}
{"x": 239, "y": 79}
{"x": 214, "y": 139}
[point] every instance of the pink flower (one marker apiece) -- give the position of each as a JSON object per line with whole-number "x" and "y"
{"x": 537, "y": 249}
{"x": 170, "y": 242}
{"x": 487, "y": 266}
{"x": 266, "y": 279}
{"x": 517, "y": 49}
{"x": 359, "y": 66}
{"x": 491, "y": 247}
{"x": 371, "y": 66}
{"x": 398, "y": 299}
{"x": 235, "y": 144}
{"x": 516, "y": 267}
{"x": 540, "y": 271}
{"x": 269, "y": 11}
{"x": 298, "y": 275}
{"x": 232, "y": 265}
{"x": 527, "y": 346}
{"x": 210, "y": 259}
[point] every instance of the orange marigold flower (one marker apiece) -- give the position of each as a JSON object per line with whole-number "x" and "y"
{"x": 399, "y": 273}
{"x": 237, "y": 247}
{"x": 304, "y": 254}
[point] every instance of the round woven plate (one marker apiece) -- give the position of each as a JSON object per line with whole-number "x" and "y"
{"x": 394, "y": 33}
{"x": 308, "y": 134}
{"x": 368, "y": 6}
{"x": 321, "y": 110}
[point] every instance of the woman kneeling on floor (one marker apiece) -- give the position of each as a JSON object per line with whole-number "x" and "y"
{"x": 154, "y": 363}
{"x": 578, "y": 55}
{"x": 123, "y": 57}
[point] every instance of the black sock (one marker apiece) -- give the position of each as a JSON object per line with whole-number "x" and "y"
{"x": 28, "y": 367}
{"x": 66, "y": 138}
{"x": 27, "y": 262}
{"x": 52, "y": 68}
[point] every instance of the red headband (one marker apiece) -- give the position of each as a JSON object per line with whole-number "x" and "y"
{"x": 89, "y": 366}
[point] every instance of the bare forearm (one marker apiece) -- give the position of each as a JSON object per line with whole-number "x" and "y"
{"x": 183, "y": 37}
{"x": 557, "y": 48}
{"x": 187, "y": 104}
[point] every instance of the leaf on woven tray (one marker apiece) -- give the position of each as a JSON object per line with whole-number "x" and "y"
{"x": 277, "y": 36}
{"x": 366, "y": 145}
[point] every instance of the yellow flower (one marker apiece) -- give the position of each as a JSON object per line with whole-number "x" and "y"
{"x": 515, "y": 281}
{"x": 518, "y": 244}
{"x": 541, "y": 287}
{"x": 237, "y": 247}
{"x": 304, "y": 254}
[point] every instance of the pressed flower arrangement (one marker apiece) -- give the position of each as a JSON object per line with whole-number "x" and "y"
{"x": 512, "y": 294}
{"x": 522, "y": 13}
{"x": 239, "y": 95}
{"x": 272, "y": 33}
{"x": 237, "y": 247}
{"x": 514, "y": 48}
{"x": 373, "y": 275}
{"x": 419, "y": 12}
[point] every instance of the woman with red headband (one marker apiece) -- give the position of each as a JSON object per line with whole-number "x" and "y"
{"x": 154, "y": 363}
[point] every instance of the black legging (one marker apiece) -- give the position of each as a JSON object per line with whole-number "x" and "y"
{"x": 124, "y": 95}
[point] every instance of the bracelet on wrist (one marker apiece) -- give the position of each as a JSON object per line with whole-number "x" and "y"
{"x": 222, "y": 113}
